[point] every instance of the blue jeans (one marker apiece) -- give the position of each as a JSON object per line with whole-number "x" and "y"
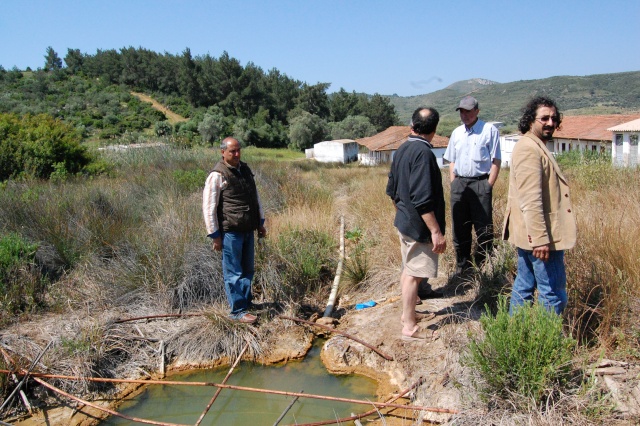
{"x": 548, "y": 277}
{"x": 238, "y": 270}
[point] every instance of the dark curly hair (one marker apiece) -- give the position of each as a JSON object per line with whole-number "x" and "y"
{"x": 425, "y": 125}
{"x": 529, "y": 112}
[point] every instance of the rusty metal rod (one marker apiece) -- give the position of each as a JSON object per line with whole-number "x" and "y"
{"x": 332, "y": 330}
{"x": 106, "y": 410}
{"x": 365, "y": 414}
{"x": 245, "y": 388}
{"x": 26, "y": 376}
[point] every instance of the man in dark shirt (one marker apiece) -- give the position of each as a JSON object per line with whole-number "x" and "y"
{"x": 415, "y": 186}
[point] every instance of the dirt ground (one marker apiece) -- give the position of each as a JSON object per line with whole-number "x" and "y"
{"x": 435, "y": 364}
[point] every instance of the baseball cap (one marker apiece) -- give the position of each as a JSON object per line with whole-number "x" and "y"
{"x": 468, "y": 103}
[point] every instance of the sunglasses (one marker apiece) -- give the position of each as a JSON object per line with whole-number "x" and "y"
{"x": 546, "y": 118}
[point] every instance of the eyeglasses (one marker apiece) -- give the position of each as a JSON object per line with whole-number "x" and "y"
{"x": 545, "y": 119}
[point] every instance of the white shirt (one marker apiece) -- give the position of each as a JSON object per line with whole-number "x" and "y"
{"x": 473, "y": 150}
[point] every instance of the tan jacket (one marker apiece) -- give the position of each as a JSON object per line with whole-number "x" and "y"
{"x": 539, "y": 208}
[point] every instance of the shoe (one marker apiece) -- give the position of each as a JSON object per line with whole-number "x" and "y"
{"x": 246, "y": 318}
{"x": 424, "y": 335}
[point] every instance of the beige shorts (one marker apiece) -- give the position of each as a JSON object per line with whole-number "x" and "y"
{"x": 418, "y": 259}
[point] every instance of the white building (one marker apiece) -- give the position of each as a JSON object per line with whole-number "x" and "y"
{"x": 338, "y": 151}
{"x": 379, "y": 149}
{"x": 624, "y": 150}
{"x": 507, "y": 142}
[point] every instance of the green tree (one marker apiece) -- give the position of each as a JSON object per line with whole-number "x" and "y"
{"x": 74, "y": 60}
{"x": 305, "y": 130}
{"x": 343, "y": 104}
{"x": 352, "y": 127}
{"x": 314, "y": 99}
{"x": 52, "y": 60}
{"x": 380, "y": 111}
{"x": 189, "y": 85}
{"x": 213, "y": 126}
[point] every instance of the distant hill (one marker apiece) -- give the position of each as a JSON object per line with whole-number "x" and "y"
{"x": 593, "y": 94}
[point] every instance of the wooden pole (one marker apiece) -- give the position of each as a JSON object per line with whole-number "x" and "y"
{"x": 206, "y": 410}
{"x": 336, "y": 281}
{"x": 333, "y": 330}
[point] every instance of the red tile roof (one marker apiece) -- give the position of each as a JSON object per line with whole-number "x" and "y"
{"x": 591, "y": 127}
{"x": 395, "y": 136}
{"x": 630, "y": 126}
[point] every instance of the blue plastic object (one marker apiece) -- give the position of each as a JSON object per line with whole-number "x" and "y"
{"x": 369, "y": 304}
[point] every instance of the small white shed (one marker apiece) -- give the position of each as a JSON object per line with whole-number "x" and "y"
{"x": 625, "y": 144}
{"x": 338, "y": 151}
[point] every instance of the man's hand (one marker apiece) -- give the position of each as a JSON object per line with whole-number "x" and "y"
{"x": 541, "y": 252}
{"x": 262, "y": 232}
{"x": 439, "y": 242}
{"x": 217, "y": 244}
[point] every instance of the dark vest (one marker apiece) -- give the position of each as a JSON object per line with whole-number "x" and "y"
{"x": 238, "y": 209}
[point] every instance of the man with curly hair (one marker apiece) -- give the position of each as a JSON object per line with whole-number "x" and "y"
{"x": 539, "y": 219}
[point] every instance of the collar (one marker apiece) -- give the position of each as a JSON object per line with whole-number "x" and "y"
{"x": 419, "y": 139}
{"x": 230, "y": 166}
{"x": 474, "y": 128}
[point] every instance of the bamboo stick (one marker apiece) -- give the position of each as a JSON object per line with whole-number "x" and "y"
{"x": 355, "y": 339}
{"x": 246, "y": 389}
{"x": 206, "y": 410}
{"x": 336, "y": 281}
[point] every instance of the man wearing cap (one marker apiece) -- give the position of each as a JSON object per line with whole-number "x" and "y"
{"x": 474, "y": 156}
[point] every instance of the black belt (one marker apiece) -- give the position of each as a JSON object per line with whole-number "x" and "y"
{"x": 481, "y": 177}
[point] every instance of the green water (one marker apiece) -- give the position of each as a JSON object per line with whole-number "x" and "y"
{"x": 184, "y": 404}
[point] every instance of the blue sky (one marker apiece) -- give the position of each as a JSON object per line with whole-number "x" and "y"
{"x": 403, "y": 47}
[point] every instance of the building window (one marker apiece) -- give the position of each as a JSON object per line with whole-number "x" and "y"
{"x": 633, "y": 140}
{"x": 618, "y": 139}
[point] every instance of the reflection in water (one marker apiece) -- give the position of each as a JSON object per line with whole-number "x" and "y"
{"x": 185, "y": 404}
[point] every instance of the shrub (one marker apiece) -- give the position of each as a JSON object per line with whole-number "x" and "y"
{"x": 307, "y": 256}
{"x": 522, "y": 358}
{"x": 162, "y": 128}
{"x": 37, "y": 146}
{"x": 190, "y": 181}
{"x": 21, "y": 284}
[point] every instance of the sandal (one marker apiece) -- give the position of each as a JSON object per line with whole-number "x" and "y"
{"x": 422, "y": 317}
{"x": 431, "y": 335}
